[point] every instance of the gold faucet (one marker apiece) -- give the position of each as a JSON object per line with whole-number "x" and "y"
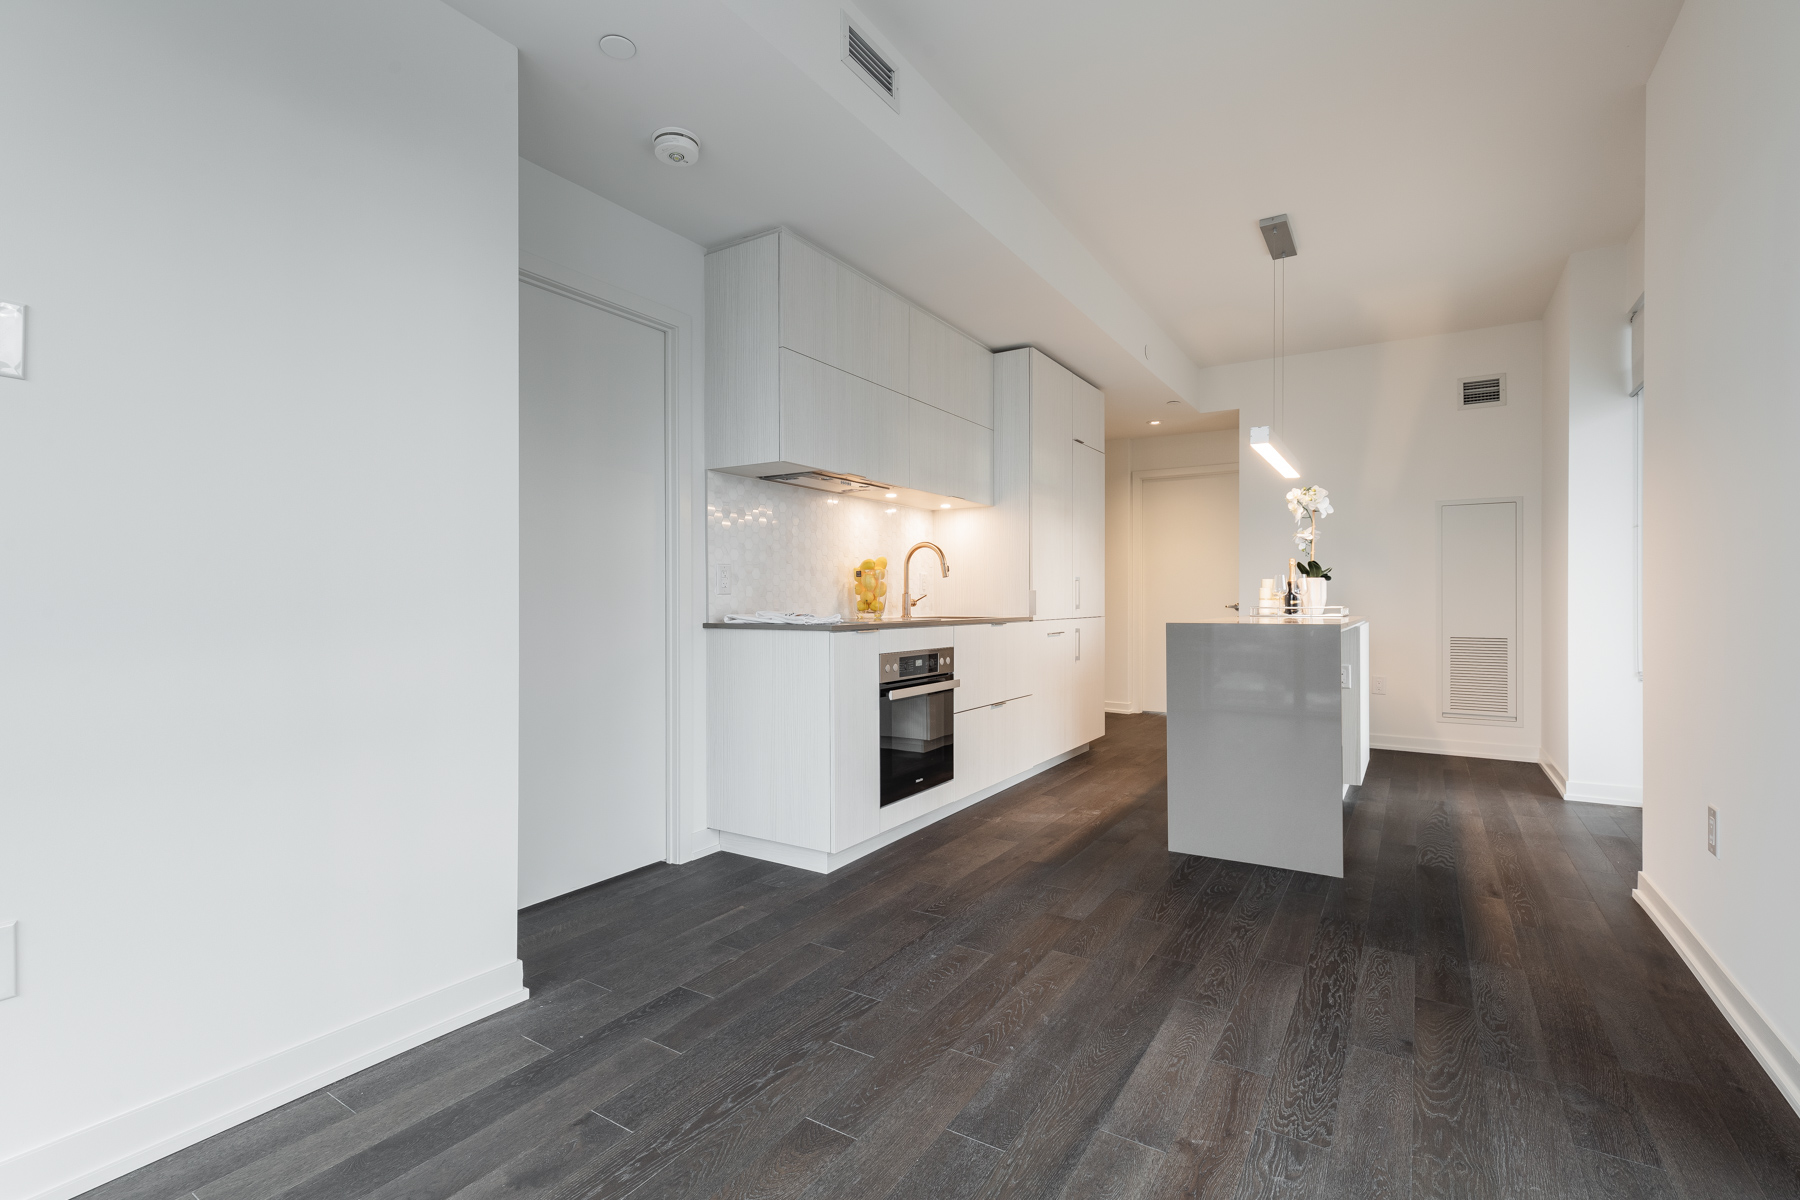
{"x": 907, "y": 599}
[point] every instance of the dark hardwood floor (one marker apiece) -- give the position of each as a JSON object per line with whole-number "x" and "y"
{"x": 1033, "y": 998}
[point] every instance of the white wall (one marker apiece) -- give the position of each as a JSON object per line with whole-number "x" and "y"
{"x": 258, "y": 514}
{"x": 1123, "y": 456}
{"x": 1593, "y": 699}
{"x": 1722, "y": 421}
{"x": 1381, "y": 427}
{"x": 578, "y": 238}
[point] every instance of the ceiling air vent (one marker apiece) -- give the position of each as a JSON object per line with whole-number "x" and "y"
{"x": 1484, "y": 390}
{"x": 870, "y": 65}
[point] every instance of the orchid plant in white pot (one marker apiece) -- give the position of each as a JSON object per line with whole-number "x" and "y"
{"x": 1308, "y": 504}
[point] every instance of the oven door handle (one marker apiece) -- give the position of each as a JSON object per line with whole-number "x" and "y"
{"x": 924, "y": 689}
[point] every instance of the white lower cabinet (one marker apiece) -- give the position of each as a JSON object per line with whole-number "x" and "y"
{"x": 794, "y": 728}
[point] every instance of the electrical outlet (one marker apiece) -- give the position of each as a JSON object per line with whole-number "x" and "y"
{"x": 1344, "y": 676}
{"x": 9, "y": 960}
{"x": 1712, "y": 831}
{"x": 1378, "y": 685}
{"x": 722, "y": 581}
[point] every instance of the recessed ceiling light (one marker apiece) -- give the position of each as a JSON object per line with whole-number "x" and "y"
{"x": 893, "y": 495}
{"x": 943, "y": 506}
{"x": 1156, "y": 422}
{"x": 617, "y": 45}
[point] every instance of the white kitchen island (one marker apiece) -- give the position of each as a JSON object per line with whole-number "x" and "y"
{"x": 1268, "y": 729}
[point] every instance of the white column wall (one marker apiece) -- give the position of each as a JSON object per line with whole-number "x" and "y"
{"x": 1722, "y": 423}
{"x": 259, "y": 528}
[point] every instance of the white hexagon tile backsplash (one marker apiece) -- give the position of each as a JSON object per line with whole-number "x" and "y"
{"x": 790, "y": 549}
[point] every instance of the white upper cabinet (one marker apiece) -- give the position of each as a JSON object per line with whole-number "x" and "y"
{"x": 832, "y": 417}
{"x": 951, "y": 371}
{"x": 1052, "y": 488}
{"x": 839, "y": 317}
{"x": 1089, "y": 416}
{"x": 1089, "y": 531}
{"x": 810, "y": 366}
{"x": 951, "y": 456}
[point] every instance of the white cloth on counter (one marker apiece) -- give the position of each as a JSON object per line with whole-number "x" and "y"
{"x": 781, "y": 618}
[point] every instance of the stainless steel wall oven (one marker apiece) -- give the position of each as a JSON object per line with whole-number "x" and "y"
{"x": 918, "y": 721}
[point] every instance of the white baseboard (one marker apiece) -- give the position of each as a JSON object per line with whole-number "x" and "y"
{"x": 1554, "y": 773}
{"x": 825, "y": 862}
{"x": 1119, "y": 706}
{"x": 699, "y": 844}
{"x": 119, "y": 1145}
{"x": 1584, "y": 791}
{"x": 1461, "y": 749}
{"x": 1770, "y": 1048}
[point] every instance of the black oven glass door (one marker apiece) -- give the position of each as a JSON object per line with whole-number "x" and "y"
{"x": 918, "y": 743}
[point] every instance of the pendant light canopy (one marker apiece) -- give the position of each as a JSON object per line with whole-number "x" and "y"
{"x": 1278, "y": 235}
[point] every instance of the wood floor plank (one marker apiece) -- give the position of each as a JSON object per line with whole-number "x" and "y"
{"x": 1015, "y": 1020}
{"x": 1290, "y": 935}
{"x": 1384, "y": 1003}
{"x": 1610, "y": 1178}
{"x": 1253, "y": 1035}
{"x": 224, "y": 1153}
{"x": 1206, "y": 1161}
{"x": 1151, "y": 1106}
{"x": 879, "y": 1159}
{"x": 1303, "y": 1094}
{"x": 1283, "y": 1168}
{"x": 1529, "y": 1148}
{"x": 1449, "y": 1151}
{"x": 1111, "y": 1168}
{"x": 1696, "y": 1149}
{"x": 1510, "y": 1037}
{"x": 1371, "y": 1153}
{"x": 953, "y": 1167}
{"x": 790, "y": 1166}
{"x": 1223, "y": 967}
{"x": 537, "y": 1172}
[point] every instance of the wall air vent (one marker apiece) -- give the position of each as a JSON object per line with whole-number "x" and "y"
{"x": 1484, "y": 391}
{"x": 1480, "y": 677}
{"x": 870, "y": 65}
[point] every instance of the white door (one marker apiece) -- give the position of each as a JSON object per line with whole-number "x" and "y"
{"x": 1187, "y": 562}
{"x": 592, "y": 722}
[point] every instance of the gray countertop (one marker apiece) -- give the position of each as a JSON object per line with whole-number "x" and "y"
{"x": 865, "y": 626}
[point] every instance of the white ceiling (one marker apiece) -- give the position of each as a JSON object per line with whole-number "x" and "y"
{"x": 1439, "y": 161}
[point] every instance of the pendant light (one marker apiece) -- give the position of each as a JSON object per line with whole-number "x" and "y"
{"x": 1278, "y": 235}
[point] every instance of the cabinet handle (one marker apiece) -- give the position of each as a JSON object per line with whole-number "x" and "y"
{"x": 1057, "y": 633}
{"x": 1078, "y": 591}
{"x": 1078, "y": 645}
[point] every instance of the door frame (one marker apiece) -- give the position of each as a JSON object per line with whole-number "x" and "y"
{"x": 1134, "y": 681}
{"x": 684, "y": 767}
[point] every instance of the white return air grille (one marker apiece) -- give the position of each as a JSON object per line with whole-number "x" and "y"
{"x": 861, "y": 56}
{"x": 1484, "y": 391}
{"x": 1480, "y": 677}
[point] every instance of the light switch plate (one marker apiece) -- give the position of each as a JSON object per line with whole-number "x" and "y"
{"x": 12, "y": 340}
{"x": 1344, "y": 676}
{"x": 9, "y": 960}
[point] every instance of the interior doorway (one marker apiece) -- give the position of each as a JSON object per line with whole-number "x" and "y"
{"x": 593, "y": 683}
{"x": 1186, "y": 523}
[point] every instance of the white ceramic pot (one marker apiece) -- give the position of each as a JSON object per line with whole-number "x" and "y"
{"x": 1315, "y": 596}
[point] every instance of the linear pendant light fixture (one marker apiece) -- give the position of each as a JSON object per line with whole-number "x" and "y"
{"x": 1278, "y": 235}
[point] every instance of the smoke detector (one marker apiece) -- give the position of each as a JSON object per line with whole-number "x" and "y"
{"x": 675, "y": 146}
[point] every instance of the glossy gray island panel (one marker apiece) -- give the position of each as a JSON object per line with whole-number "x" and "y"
{"x": 1267, "y": 726}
